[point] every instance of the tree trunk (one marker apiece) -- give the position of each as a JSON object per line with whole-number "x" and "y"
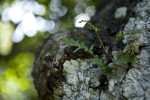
{"x": 60, "y": 74}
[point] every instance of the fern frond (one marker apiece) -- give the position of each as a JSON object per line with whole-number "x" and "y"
{"x": 120, "y": 35}
{"x": 99, "y": 61}
{"x": 77, "y": 49}
{"x": 132, "y": 32}
{"x": 71, "y": 42}
{"x": 103, "y": 65}
{"x": 91, "y": 49}
{"x": 125, "y": 57}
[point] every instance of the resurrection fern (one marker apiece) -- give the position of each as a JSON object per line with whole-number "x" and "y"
{"x": 120, "y": 35}
{"x": 81, "y": 45}
{"x": 124, "y": 57}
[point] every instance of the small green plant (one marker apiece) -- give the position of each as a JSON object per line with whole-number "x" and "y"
{"x": 81, "y": 45}
{"x": 103, "y": 64}
{"x": 120, "y": 35}
{"x": 124, "y": 57}
{"x": 96, "y": 31}
{"x": 121, "y": 58}
{"x": 99, "y": 61}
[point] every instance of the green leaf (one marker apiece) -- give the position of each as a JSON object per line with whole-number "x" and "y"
{"x": 99, "y": 61}
{"x": 71, "y": 42}
{"x": 91, "y": 52}
{"x": 120, "y": 35}
{"x": 91, "y": 48}
{"x": 125, "y": 57}
{"x": 82, "y": 45}
{"x": 77, "y": 49}
{"x": 133, "y": 32}
{"x": 113, "y": 38}
{"x": 104, "y": 62}
{"x": 86, "y": 49}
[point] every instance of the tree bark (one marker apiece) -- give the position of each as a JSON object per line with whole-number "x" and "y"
{"x": 60, "y": 74}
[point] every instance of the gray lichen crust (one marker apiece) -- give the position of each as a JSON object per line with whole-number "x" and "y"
{"x": 137, "y": 81}
{"x": 82, "y": 81}
{"x": 121, "y": 12}
{"x": 135, "y": 84}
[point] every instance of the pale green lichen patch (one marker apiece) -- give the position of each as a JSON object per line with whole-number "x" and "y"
{"x": 121, "y": 12}
{"x": 82, "y": 79}
{"x": 135, "y": 82}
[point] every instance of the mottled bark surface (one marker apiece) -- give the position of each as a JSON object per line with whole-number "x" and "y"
{"x": 60, "y": 74}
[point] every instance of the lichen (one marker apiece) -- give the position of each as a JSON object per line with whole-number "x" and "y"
{"x": 82, "y": 81}
{"x": 135, "y": 82}
{"x": 121, "y": 12}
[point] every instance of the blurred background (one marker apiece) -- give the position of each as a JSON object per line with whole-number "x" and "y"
{"x": 23, "y": 26}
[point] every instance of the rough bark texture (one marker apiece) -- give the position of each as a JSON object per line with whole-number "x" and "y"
{"x": 60, "y": 74}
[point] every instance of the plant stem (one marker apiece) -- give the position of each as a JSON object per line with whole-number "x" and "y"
{"x": 96, "y": 31}
{"x": 101, "y": 42}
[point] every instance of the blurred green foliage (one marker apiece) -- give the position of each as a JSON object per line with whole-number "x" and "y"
{"x": 15, "y": 79}
{"x": 16, "y": 65}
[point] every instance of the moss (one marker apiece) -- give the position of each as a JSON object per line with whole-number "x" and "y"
{"x": 53, "y": 49}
